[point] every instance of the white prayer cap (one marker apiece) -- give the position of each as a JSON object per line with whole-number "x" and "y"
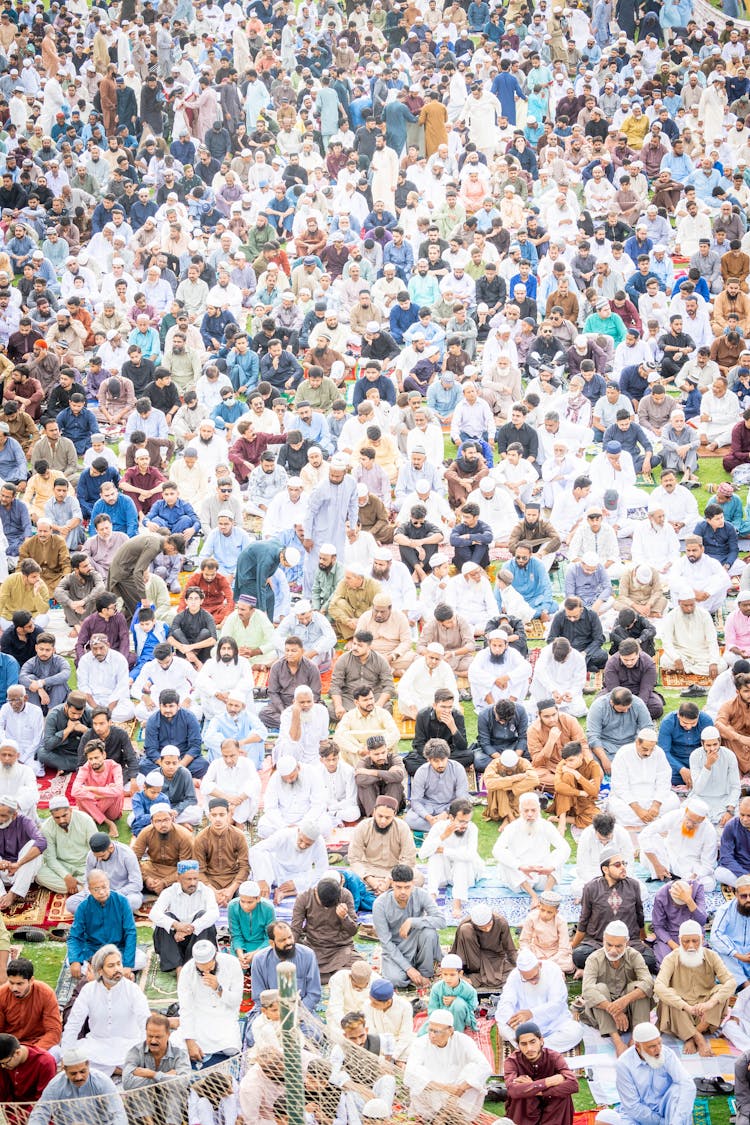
{"x": 696, "y": 806}
{"x": 249, "y": 889}
{"x": 9, "y": 741}
{"x": 286, "y": 765}
{"x": 481, "y": 914}
{"x": 225, "y": 513}
{"x": 309, "y": 827}
{"x": 469, "y": 566}
{"x": 8, "y": 802}
{"x": 655, "y": 504}
{"x": 292, "y": 556}
{"x": 743, "y": 596}
{"x": 451, "y": 961}
{"x": 607, "y": 1117}
{"x": 706, "y": 733}
{"x": 154, "y": 778}
{"x": 436, "y": 647}
{"x": 203, "y": 952}
{"x": 684, "y": 592}
{"x": 74, "y": 1056}
{"x": 441, "y": 1017}
{"x": 328, "y": 549}
{"x": 302, "y": 606}
{"x": 339, "y": 461}
{"x": 550, "y": 898}
{"x": 645, "y": 1033}
{"x": 647, "y": 734}
{"x": 509, "y": 759}
{"x": 487, "y": 484}
{"x": 362, "y": 490}
{"x": 643, "y": 574}
{"x": 617, "y": 928}
{"x": 382, "y": 554}
{"x": 170, "y": 752}
{"x": 60, "y": 801}
{"x": 526, "y": 961}
{"x": 438, "y": 559}
{"x": 691, "y": 928}
{"x": 160, "y": 806}
{"x": 590, "y": 559}
{"x": 422, "y": 485}
{"x": 376, "y": 1110}
{"x": 236, "y": 696}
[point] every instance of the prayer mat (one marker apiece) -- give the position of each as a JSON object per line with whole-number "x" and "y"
{"x": 41, "y": 908}
{"x": 684, "y": 679}
{"x": 535, "y": 630}
{"x": 260, "y": 678}
{"x": 132, "y": 729}
{"x": 54, "y": 785}
{"x": 722, "y": 451}
{"x": 160, "y": 988}
{"x": 533, "y": 656}
{"x": 406, "y": 727}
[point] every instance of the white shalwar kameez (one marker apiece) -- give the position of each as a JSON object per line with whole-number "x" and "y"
{"x": 537, "y": 844}
{"x": 278, "y": 860}
{"x": 240, "y": 779}
{"x": 483, "y": 673}
{"x": 460, "y": 1060}
{"x": 458, "y": 864}
{"x": 117, "y": 1017}
{"x": 548, "y": 1003}
{"x": 640, "y": 781}
{"x": 689, "y": 857}
{"x": 287, "y": 803}
{"x": 206, "y": 1016}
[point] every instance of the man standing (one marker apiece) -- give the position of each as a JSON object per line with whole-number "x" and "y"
{"x": 130, "y": 562}
{"x": 333, "y": 507}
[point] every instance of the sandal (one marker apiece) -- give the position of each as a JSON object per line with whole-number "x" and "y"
{"x": 30, "y": 935}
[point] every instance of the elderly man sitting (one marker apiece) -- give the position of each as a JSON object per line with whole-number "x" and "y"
{"x": 730, "y": 932}
{"x": 652, "y": 1083}
{"x": 185, "y": 912}
{"x": 294, "y": 792}
{"x": 443, "y": 1068}
{"x": 617, "y": 986}
{"x": 682, "y": 843}
{"x": 641, "y": 785}
{"x": 692, "y": 990}
{"x": 292, "y": 859}
{"x": 536, "y": 990}
{"x": 688, "y": 637}
{"x": 313, "y": 629}
{"x": 530, "y": 852}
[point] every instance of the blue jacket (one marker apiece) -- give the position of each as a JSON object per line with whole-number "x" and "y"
{"x": 80, "y": 428}
{"x": 8, "y": 674}
{"x": 734, "y": 849}
{"x": 95, "y": 925}
{"x": 400, "y": 320}
{"x": 678, "y": 743}
{"x": 183, "y": 731}
{"x": 123, "y": 513}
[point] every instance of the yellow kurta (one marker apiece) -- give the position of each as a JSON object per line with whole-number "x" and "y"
{"x": 678, "y": 988}
{"x": 52, "y": 556}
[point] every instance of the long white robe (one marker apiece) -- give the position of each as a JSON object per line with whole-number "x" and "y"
{"x": 568, "y": 675}
{"x": 458, "y": 863}
{"x": 537, "y": 844}
{"x": 212, "y": 1020}
{"x": 26, "y": 728}
{"x": 691, "y": 638}
{"x": 482, "y": 675}
{"x": 690, "y": 857}
{"x": 639, "y": 781}
{"x": 117, "y": 1017}
{"x": 459, "y": 1061}
{"x": 287, "y": 803}
{"x": 278, "y": 860}
{"x": 548, "y": 1003}
{"x": 706, "y": 575}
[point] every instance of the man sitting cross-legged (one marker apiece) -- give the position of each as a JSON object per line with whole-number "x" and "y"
{"x": 692, "y": 990}
{"x": 409, "y": 951}
{"x": 185, "y": 912}
{"x": 530, "y": 852}
{"x": 536, "y": 990}
{"x": 451, "y": 851}
{"x": 617, "y": 986}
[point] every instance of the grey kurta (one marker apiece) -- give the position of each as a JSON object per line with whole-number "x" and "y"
{"x": 603, "y": 982}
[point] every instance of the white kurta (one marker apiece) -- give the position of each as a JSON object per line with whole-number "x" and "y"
{"x": 212, "y": 1020}
{"x": 473, "y": 600}
{"x": 107, "y": 681}
{"x": 216, "y": 676}
{"x": 705, "y": 575}
{"x": 537, "y": 844}
{"x": 180, "y": 676}
{"x": 314, "y": 730}
{"x": 26, "y": 728}
{"x": 691, "y": 638}
{"x": 238, "y": 780}
{"x": 689, "y": 857}
{"x": 458, "y": 863}
{"x": 340, "y": 788}
{"x": 483, "y": 673}
{"x": 288, "y": 803}
{"x": 567, "y": 676}
{"x": 117, "y": 1017}
{"x": 639, "y": 781}
{"x": 548, "y": 1003}
{"x": 459, "y": 1061}
{"x": 417, "y": 686}
{"x": 278, "y": 860}
{"x": 19, "y": 781}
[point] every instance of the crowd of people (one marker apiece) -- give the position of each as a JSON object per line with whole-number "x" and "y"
{"x": 362, "y": 370}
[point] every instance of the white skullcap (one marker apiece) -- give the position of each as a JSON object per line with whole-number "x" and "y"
{"x": 469, "y": 566}
{"x": 441, "y": 1017}
{"x": 691, "y": 928}
{"x": 225, "y": 513}
{"x": 438, "y": 559}
{"x": 436, "y": 647}
{"x": 362, "y": 490}
{"x": 75, "y": 1055}
{"x": 451, "y": 961}
{"x": 309, "y": 827}
{"x": 647, "y": 734}
{"x": 684, "y": 592}
{"x": 376, "y": 1110}
{"x": 481, "y": 914}
{"x": 509, "y": 759}
{"x": 286, "y": 764}
{"x": 526, "y": 961}
{"x": 643, "y": 574}
{"x": 249, "y": 889}
{"x": 327, "y": 549}
{"x": 743, "y": 596}
{"x": 302, "y": 606}
{"x": 170, "y": 752}
{"x": 154, "y": 778}
{"x": 422, "y": 485}
{"x": 8, "y": 802}
{"x": 696, "y": 806}
{"x": 707, "y": 732}
{"x": 60, "y": 801}
{"x": 292, "y": 556}
{"x": 204, "y": 951}
{"x": 339, "y": 461}
{"x": 487, "y": 484}
{"x": 382, "y": 554}
{"x": 617, "y": 928}
{"x": 645, "y": 1033}
{"x": 9, "y": 741}
{"x": 160, "y": 806}
{"x": 590, "y": 559}
{"x": 236, "y": 696}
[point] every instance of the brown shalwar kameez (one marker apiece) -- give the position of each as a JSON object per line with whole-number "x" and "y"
{"x": 678, "y": 988}
{"x": 329, "y": 936}
{"x": 489, "y": 956}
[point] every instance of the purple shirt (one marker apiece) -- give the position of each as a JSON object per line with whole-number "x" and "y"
{"x": 18, "y": 833}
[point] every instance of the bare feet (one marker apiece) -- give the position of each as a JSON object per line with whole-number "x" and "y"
{"x": 704, "y": 1047}
{"x": 8, "y": 900}
{"x": 689, "y": 1047}
{"x": 111, "y": 828}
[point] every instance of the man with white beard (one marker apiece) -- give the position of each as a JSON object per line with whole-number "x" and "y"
{"x": 495, "y": 508}
{"x": 470, "y": 594}
{"x": 655, "y": 543}
{"x": 681, "y": 843}
{"x": 652, "y": 1083}
{"x": 303, "y": 727}
{"x": 23, "y": 722}
{"x": 617, "y": 986}
{"x": 530, "y": 852}
{"x": 692, "y": 990}
{"x": 536, "y": 990}
{"x": 293, "y": 793}
{"x": 116, "y": 1010}
{"x": 17, "y": 779}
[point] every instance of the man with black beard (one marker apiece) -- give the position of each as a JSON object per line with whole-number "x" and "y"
{"x": 284, "y": 948}
{"x": 327, "y": 577}
{"x": 730, "y": 933}
{"x": 451, "y": 851}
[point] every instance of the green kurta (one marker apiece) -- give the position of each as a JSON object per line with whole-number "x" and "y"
{"x": 248, "y": 931}
{"x": 257, "y": 634}
{"x": 66, "y": 851}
